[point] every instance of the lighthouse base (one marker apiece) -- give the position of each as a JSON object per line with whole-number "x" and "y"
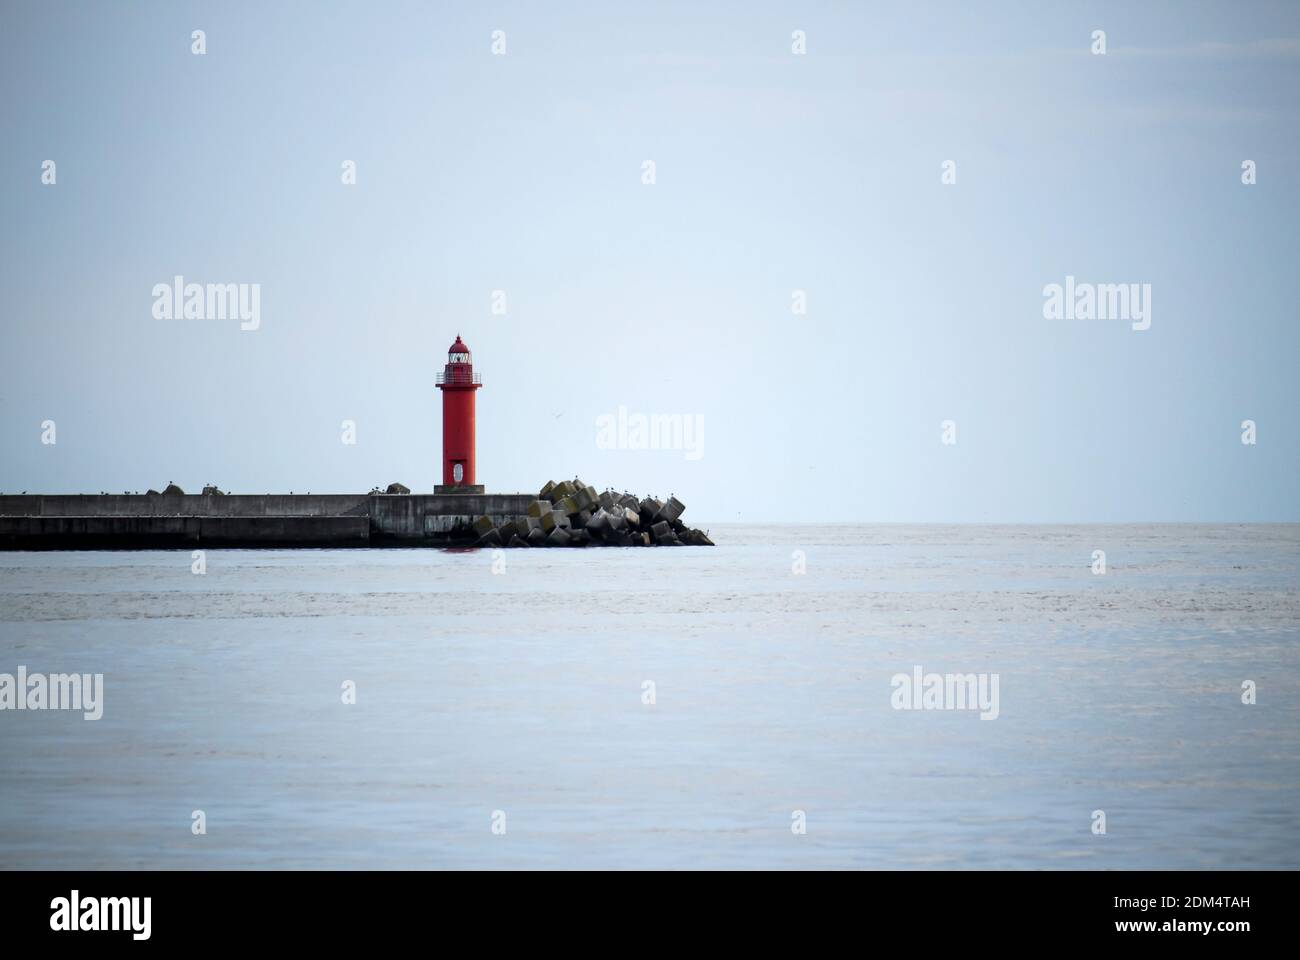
{"x": 446, "y": 489}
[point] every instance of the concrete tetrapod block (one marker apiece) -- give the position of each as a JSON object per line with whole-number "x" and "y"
{"x": 517, "y": 541}
{"x": 585, "y": 498}
{"x": 545, "y": 493}
{"x": 522, "y": 526}
{"x": 567, "y": 506}
{"x": 671, "y": 510}
{"x": 482, "y": 525}
{"x": 538, "y": 508}
{"x": 662, "y": 532}
{"x": 560, "y": 491}
{"x": 607, "y": 500}
{"x": 598, "y": 522}
{"x": 536, "y": 537}
{"x": 549, "y": 521}
{"x": 559, "y": 537}
{"x": 489, "y": 539}
{"x": 627, "y": 500}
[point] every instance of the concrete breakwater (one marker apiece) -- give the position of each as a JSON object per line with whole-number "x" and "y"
{"x": 574, "y": 514}
{"x": 172, "y": 519}
{"x": 175, "y": 520}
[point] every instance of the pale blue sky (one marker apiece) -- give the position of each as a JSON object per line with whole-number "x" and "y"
{"x": 775, "y": 172}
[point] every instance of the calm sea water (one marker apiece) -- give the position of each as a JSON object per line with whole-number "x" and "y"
{"x": 522, "y": 692}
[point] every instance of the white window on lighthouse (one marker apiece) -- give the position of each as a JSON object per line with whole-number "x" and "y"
{"x": 458, "y": 473}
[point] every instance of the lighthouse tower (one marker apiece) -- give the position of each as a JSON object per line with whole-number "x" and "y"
{"x": 458, "y": 382}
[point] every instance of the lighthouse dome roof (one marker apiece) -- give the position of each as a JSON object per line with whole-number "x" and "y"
{"x": 458, "y": 346}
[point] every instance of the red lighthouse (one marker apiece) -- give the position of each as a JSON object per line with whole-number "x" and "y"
{"x": 458, "y": 382}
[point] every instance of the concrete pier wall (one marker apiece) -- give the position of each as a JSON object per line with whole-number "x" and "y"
{"x": 185, "y": 505}
{"x": 121, "y": 521}
{"x": 415, "y": 517}
{"x": 155, "y": 532}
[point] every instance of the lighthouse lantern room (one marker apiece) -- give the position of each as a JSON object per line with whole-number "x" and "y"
{"x": 458, "y": 383}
